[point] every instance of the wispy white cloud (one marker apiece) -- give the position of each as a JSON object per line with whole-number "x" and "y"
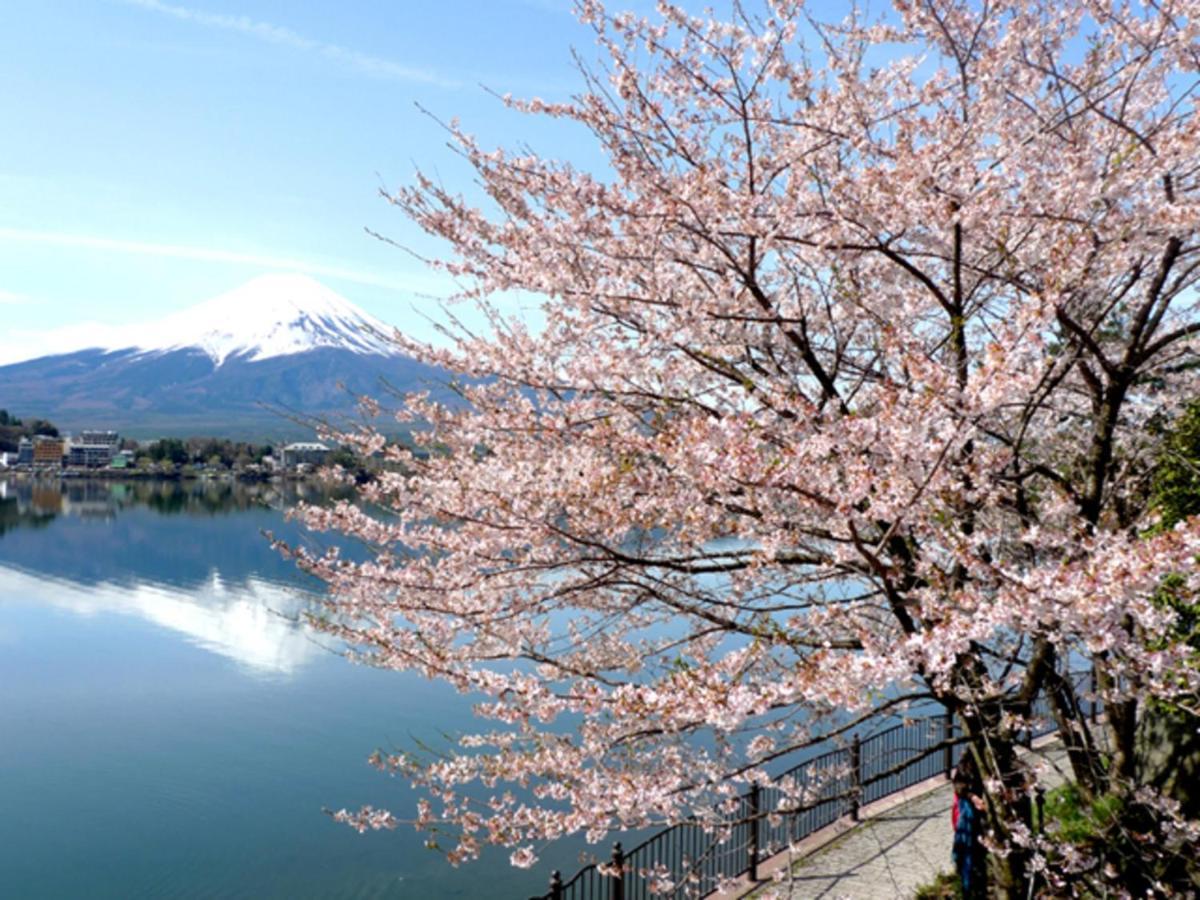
{"x": 20, "y": 344}
{"x": 373, "y": 66}
{"x": 9, "y": 298}
{"x": 187, "y": 251}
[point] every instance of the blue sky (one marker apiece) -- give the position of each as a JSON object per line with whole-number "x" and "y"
{"x": 157, "y": 153}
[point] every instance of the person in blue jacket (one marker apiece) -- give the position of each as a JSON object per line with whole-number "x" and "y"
{"x": 970, "y": 858}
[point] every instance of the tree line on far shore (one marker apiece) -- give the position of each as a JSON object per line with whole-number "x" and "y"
{"x": 13, "y": 429}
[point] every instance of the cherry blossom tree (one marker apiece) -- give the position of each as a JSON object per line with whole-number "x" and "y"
{"x": 856, "y": 362}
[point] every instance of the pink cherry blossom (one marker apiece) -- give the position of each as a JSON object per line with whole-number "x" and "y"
{"x": 855, "y": 357}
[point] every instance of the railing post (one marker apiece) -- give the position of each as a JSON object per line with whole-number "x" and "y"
{"x": 617, "y": 889}
{"x": 556, "y": 885}
{"x": 755, "y": 821}
{"x": 948, "y": 750}
{"x": 855, "y": 776}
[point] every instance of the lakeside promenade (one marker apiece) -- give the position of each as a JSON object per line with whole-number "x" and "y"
{"x": 902, "y": 843}
{"x": 890, "y": 854}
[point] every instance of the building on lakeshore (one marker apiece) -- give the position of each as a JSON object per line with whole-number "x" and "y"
{"x": 311, "y": 454}
{"x": 93, "y": 449}
{"x": 48, "y": 451}
{"x": 24, "y": 452}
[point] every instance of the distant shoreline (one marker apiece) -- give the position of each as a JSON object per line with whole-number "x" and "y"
{"x": 143, "y": 475}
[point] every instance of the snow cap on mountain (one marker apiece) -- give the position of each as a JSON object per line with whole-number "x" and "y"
{"x": 272, "y": 315}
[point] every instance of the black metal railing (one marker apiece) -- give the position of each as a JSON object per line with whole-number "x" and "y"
{"x": 694, "y": 858}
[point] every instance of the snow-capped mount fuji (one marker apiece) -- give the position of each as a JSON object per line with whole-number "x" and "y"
{"x": 273, "y": 315}
{"x": 227, "y": 366}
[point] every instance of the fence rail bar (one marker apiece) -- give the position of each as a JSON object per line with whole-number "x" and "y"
{"x": 755, "y": 822}
{"x": 856, "y": 779}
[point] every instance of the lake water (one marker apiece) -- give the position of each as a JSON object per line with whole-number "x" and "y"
{"x": 167, "y": 730}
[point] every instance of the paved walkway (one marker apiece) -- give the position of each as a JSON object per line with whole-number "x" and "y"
{"x": 890, "y": 855}
{"x": 903, "y": 843}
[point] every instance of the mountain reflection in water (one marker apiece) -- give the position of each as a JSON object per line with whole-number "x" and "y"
{"x": 164, "y": 553}
{"x": 252, "y": 622}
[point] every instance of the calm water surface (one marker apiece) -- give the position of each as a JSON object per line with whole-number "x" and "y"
{"x": 166, "y": 730}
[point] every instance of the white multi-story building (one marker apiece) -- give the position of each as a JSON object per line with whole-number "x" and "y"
{"x": 93, "y": 449}
{"x": 312, "y": 454}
